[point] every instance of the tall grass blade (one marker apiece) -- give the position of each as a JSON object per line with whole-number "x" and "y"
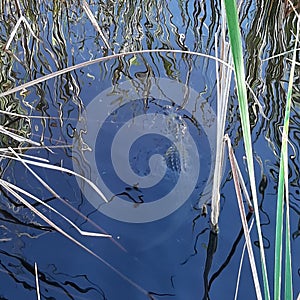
{"x": 243, "y": 217}
{"x": 223, "y": 75}
{"x": 237, "y": 54}
{"x": 241, "y": 264}
{"x": 29, "y": 195}
{"x": 13, "y": 33}
{"x": 90, "y": 15}
{"x": 283, "y": 192}
{"x": 100, "y": 59}
{"x": 85, "y": 233}
{"x": 8, "y": 187}
{"x": 61, "y": 169}
{"x": 37, "y": 281}
{"x": 17, "y": 137}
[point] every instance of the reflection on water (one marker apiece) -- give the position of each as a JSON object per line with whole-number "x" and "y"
{"x": 173, "y": 257}
{"x": 138, "y": 139}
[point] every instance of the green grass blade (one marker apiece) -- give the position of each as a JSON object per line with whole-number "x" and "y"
{"x": 237, "y": 54}
{"x": 283, "y": 191}
{"x": 288, "y": 258}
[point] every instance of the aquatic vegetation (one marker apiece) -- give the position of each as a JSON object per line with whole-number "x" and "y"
{"x": 160, "y": 76}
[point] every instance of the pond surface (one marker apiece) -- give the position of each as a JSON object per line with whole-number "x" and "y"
{"x": 142, "y": 128}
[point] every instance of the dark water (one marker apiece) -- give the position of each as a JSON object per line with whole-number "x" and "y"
{"x": 142, "y": 127}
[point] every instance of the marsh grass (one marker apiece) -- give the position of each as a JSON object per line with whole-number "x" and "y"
{"x": 224, "y": 74}
{"x": 224, "y": 69}
{"x": 283, "y": 195}
{"x": 10, "y": 153}
{"x": 237, "y": 53}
